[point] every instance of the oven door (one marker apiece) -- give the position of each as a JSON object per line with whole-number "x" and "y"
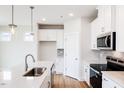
{"x": 95, "y": 79}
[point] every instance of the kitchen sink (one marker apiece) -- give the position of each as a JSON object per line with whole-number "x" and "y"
{"x": 35, "y": 72}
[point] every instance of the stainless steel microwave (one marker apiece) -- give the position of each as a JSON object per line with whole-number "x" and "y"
{"x": 107, "y": 41}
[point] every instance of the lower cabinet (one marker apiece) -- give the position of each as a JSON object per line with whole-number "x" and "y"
{"x": 46, "y": 83}
{"x": 87, "y": 73}
{"x": 59, "y": 65}
{"x": 108, "y": 83}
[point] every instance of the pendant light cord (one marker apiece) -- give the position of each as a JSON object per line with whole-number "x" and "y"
{"x": 32, "y": 18}
{"x": 12, "y": 14}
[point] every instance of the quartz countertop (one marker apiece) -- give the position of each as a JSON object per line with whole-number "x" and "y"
{"x": 116, "y": 76}
{"x": 13, "y": 78}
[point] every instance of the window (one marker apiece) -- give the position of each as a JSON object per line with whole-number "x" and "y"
{"x": 5, "y": 36}
{"x": 29, "y": 37}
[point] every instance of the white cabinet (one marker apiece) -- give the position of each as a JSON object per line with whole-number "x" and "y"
{"x": 60, "y": 39}
{"x": 119, "y": 28}
{"x": 59, "y": 65}
{"x": 101, "y": 18}
{"x": 106, "y": 17}
{"x": 108, "y": 83}
{"x": 47, "y": 35}
{"x": 46, "y": 83}
{"x": 94, "y": 33}
{"x": 87, "y": 73}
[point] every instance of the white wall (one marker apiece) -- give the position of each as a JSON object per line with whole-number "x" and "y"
{"x": 13, "y": 53}
{"x": 73, "y": 25}
{"x": 47, "y": 51}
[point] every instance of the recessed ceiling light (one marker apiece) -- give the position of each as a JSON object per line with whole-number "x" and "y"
{"x": 43, "y": 19}
{"x": 71, "y": 14}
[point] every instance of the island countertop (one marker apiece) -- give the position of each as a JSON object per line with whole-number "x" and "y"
{"x": 116, "y": 76}
{"x": 13, "y": 78}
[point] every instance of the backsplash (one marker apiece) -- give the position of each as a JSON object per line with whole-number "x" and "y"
{"x": 118, "y": 54}
{"x": 103, "y": 54}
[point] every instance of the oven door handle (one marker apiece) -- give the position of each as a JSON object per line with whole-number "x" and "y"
{"x": 95, "y": 70}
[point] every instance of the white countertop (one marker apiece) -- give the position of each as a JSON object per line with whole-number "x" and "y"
{"x": 13, "y": 78}
{"x": 116, "y": 76}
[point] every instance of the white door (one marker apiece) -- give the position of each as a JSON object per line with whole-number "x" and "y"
{"x": 71, "y": 55}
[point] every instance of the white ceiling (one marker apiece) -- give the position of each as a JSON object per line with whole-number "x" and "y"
{"x": 52, "y": 13}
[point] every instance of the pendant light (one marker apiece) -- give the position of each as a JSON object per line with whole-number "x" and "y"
{"x": 12, "y": 25}
{"x": 32, "y": 20}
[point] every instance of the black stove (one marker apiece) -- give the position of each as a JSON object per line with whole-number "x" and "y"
{"x": 113, "y": 64}
{"x": 99, "y": 67}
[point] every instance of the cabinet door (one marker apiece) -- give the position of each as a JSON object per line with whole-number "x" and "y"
{"x": 51, "y": 35}
{"x": 94, "y": 33}
{"x": 87, "y": 74}
{"x": 120, "y": 28}
{"x": 101, "y": 19}
{"x": 42, "y": 35}
{"x": 46, "y": 83}
{"x": 59, "y": 65}
{"x": 108, "y": 18}
{"x": 108, "y": 83}
{"x": 60, "y": 39}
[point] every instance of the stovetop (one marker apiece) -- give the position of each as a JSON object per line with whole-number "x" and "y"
{"x": 99, "y": 67}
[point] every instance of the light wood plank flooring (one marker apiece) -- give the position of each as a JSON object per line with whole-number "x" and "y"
{"x": 61, "y": 81}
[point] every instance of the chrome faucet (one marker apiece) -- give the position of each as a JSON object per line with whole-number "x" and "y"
{"x": 26, "y": 64}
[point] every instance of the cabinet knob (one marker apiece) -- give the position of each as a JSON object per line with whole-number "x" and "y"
{"x": 105, "y": 79}
{"x": 102, "y": 29}
{"x": 76, "y": 58}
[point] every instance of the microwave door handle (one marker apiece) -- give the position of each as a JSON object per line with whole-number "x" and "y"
{"x": 106, "y": 41}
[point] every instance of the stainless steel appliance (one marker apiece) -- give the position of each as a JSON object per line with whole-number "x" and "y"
{"x": 52, "y": 74}
{"x": 113, "y": 64}
{"x": 107, "y": 41}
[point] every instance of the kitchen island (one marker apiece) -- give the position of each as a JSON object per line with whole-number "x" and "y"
{"x": 13, "y": 78}
{"x": 113, "y": 79}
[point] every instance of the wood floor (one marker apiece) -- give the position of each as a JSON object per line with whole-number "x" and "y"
{"x": 61, "y": 81}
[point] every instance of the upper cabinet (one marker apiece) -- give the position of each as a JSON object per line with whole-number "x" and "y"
{"x": 106, "y": 18}
{"x": 120, "y": 28}
{"x": 105, "y": 22}
{"x": 52, "y": 35}
{"x": 94, "y": 33}
{"x": 60, "y": 39}
{"x": 47, "y": 35}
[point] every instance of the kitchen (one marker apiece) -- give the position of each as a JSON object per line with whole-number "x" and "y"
{"x": 67, "y": 44}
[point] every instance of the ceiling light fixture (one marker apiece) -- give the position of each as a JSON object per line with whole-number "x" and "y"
{"x": 32, "y": 20}
{"x": 71, "y": 14}
{"x": 43, "y": 19}
{"x": 12, "y": 26}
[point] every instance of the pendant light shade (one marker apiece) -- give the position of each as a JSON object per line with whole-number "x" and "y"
{"x": 12, "y": 25}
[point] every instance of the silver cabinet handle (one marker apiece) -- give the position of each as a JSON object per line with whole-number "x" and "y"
{"x": 76, "y": 58}
{"x": 102, "y": 29}
{"x": 85, "y": 70}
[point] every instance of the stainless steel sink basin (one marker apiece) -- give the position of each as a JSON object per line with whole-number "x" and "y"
{"x": 35, "y": 71}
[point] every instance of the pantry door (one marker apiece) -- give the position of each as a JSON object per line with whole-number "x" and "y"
{"x": 71, "y": 55}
